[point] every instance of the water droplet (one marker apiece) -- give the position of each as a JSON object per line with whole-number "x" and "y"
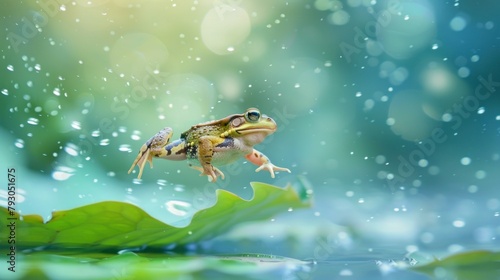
{"x": 177, "y": 207}
{"x": 458, "y": 223}
{"x": 56, "y": 92}
{"x": 5, "y": 91}
{"x": 435, "y": 46}
{"x": 10, "y": 67}
{"x": 361, "y": 200}
{"x": 345, "y": 272}
{"x": 104, "y": 142}
{"x": 76, "y": 125}
{"x": 62, "y": 173}
{"x": 19, "y": 143}
{"x": 136, "y": 135}
{"x": 161, "y": 182}
{"x": 481, "y": 110}
{"x": 95, "y": 133}
{"x": 32, "y": 121}
{"x": 458, "y": 23}
{"x": 124, "y": 148}
{"x": 71, "y": 149}
{"x": 179, "y": 188}
{"x": 480, "y": 174}
{"x": 465, "y": 161}
{"x": 290, "y": 209}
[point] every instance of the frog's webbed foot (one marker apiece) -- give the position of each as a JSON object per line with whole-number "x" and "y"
{"x": 154, "y": 147}
{"x": 271, "y": 168}
{"x": 211, "y": 171}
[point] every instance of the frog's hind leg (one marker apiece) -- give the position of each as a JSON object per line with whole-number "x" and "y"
{"x": 216, "y": 172}
{"x": 206, "y": 146}
{"x": 154, "y": 147}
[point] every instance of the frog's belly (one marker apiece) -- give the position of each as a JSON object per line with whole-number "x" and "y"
{"x": 226, "y": 152}
{"x": 226, "y": 157}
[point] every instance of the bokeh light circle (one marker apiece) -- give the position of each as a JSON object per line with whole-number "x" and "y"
{"x": 222, "y": 29}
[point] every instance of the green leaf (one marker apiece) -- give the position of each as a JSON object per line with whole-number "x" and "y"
{"x": 464, "y": 266}
{"x": 159, "y": 266}
{"x": 118, "y": 225}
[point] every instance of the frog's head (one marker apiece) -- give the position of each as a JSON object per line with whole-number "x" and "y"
{"x": 251, "y": 127}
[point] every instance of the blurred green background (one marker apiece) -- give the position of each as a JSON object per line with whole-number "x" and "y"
{"x": 389, "y": 109}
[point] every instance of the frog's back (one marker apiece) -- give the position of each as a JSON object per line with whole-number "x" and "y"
{"x": 197, "y": 131}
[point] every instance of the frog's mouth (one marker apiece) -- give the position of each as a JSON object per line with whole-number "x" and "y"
{"x": 256, "y": 129}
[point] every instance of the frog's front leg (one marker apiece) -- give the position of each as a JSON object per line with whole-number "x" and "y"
{"x": 263, "y": 162}
{"x": 206, "y": 146}
{"x": 154, "y": 147}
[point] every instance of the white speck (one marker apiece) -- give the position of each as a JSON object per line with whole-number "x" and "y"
{"x": 62, "y": 8}
{"x": 136, "y": 135}
{"x": 489, "y": 25}
{"x": 474, "y": 58}
{"x": 434, "y": 170}
{"x": 472, "y": 189}
{"x": 435, "y": 46}
{"x": 345, "y": 272}
{"x": 230, "y": 49}
{"x": 19, "y": 143}
{"x": 76, "y": 125}
{"x": 297, "y": 85}
{"x": 463, "y": 72}
{"x": 161, "y": 182}
{"x": 95, "y": 133}
{"x": 104, "y": 142}
{"x": 361, "y": 200}
{"x": 458, "y": 223}
{"x": 447, "y": 117}
{"x": 56, "y": 92}
{"x": 465, "y": 161}
{"x": 423, "y": 163}
{"x": 71, "y": 149}
{"x": 390, "y": 121}
{"x": 407, "y": 17}
{"x": 10, "y": 67}
{"x": 458, "y": 23}
{"x": 124, "y": 148}
{"x": 32, "y": 121}
{"x": 481, "y": 110}
{"x": 480, "y": 174}
{"x": 380, "y": 159}
{"x": 290, "y": 209}
{"x": 62, "y": 173}
{"x": 5, "y": 91}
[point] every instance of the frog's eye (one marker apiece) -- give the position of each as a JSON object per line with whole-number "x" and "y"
{"x": 252, "y": 115}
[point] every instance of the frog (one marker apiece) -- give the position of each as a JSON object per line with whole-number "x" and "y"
{"x": 213, "y": 143}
